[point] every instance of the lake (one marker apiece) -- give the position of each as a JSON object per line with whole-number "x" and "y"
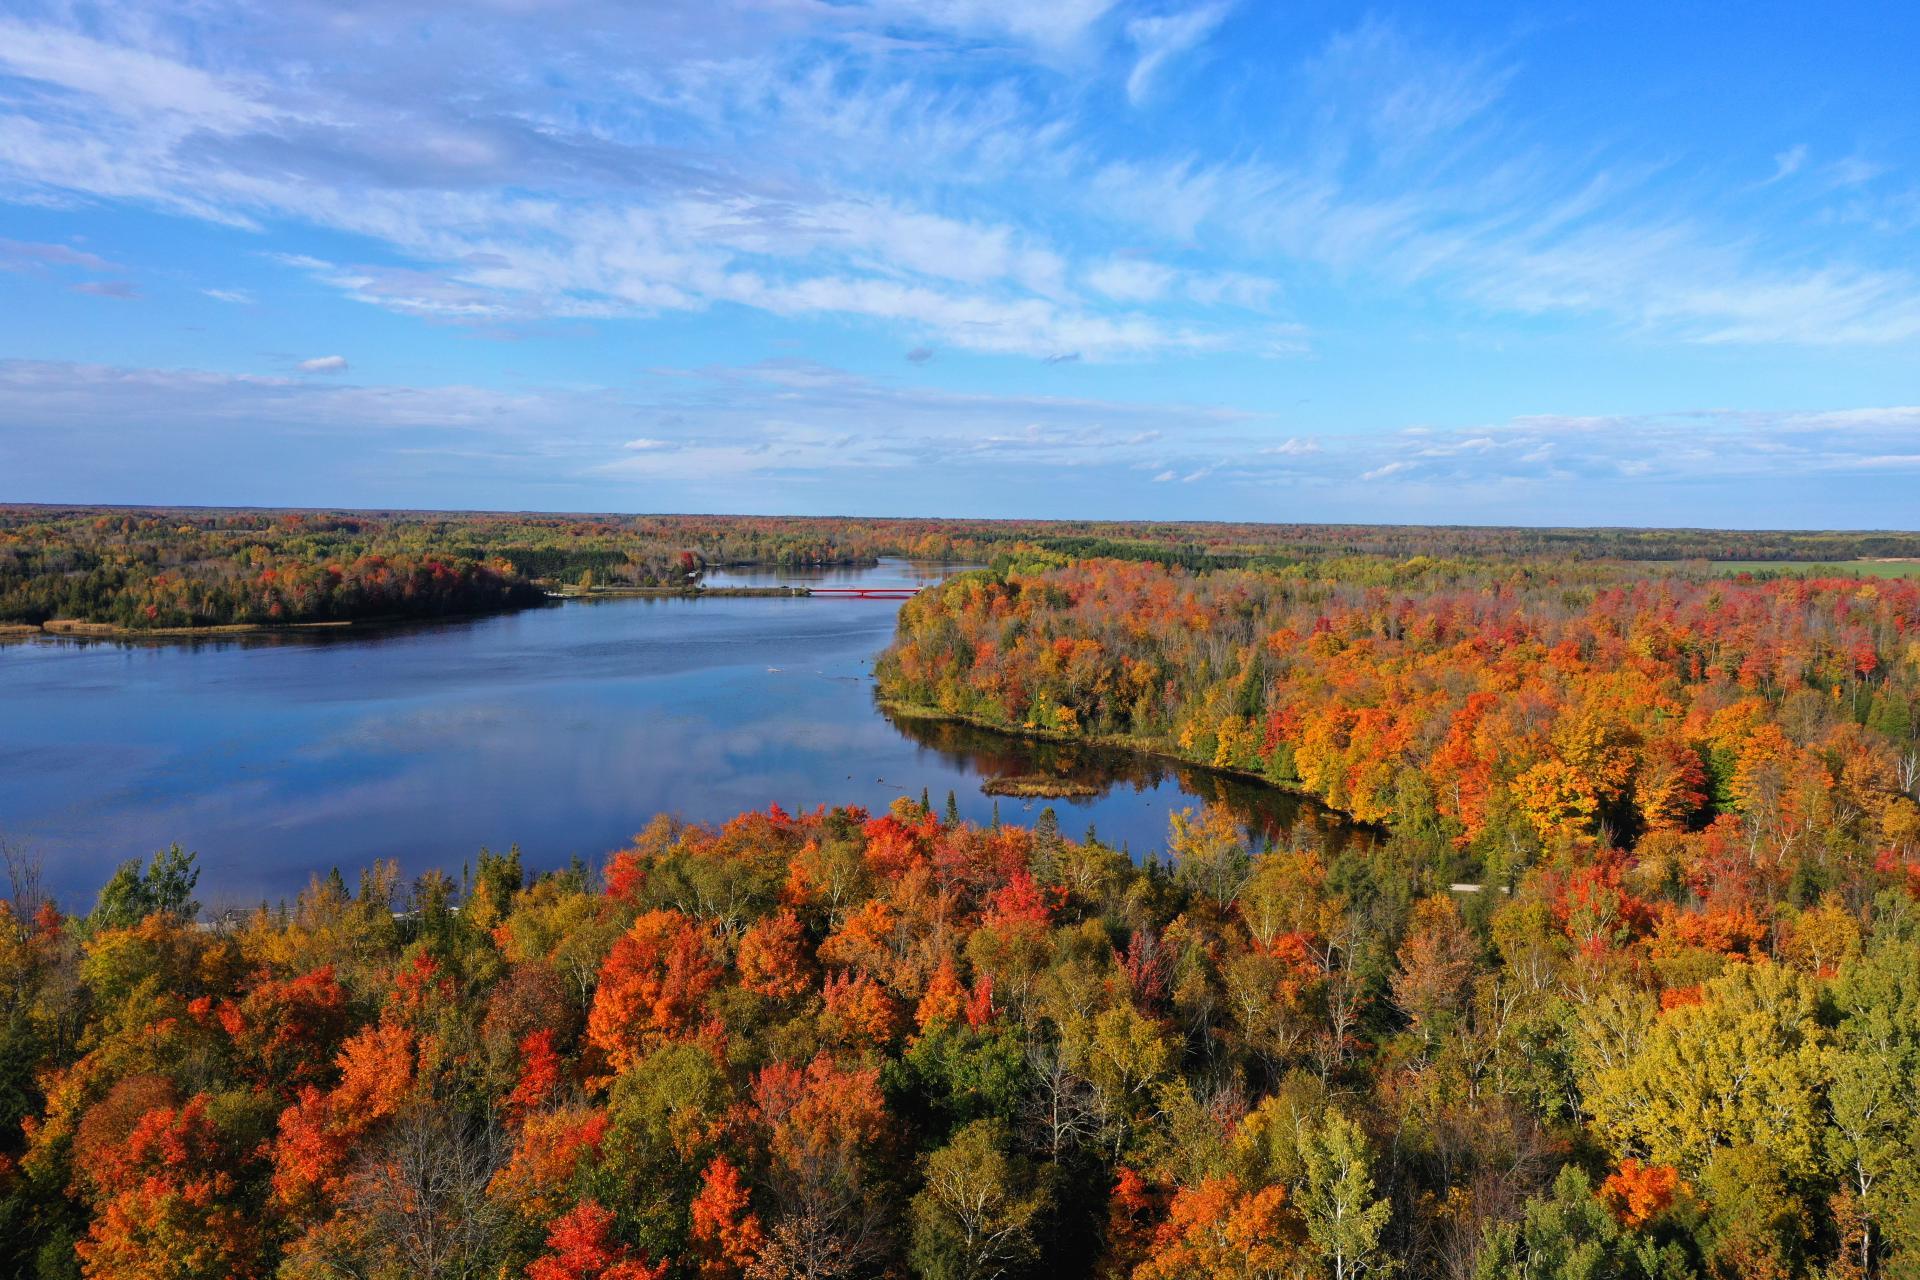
{"x": 562, "y": 730}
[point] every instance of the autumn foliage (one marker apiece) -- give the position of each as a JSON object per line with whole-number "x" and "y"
{"x": 1624, "y": 980}
{"x": 1489, "y": 700}
{"x": 1637, "y": 1192}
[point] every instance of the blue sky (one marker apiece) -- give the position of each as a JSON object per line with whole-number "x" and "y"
{"x": 1472, "y": 263}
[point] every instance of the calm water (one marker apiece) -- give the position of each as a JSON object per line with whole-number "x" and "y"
{"x": 562, "y": 729}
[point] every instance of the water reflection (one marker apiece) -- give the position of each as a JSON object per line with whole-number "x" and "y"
{"x": 561, "y": 729}
{"x": 885, "y": 573}
{"x": 1269, "y": 816}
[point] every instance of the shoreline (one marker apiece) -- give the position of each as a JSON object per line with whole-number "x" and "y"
{"x": 1114, "y": 742}
{"x": 553, "y": 593}
{"x": 78, "y": 629}
{"x": 81, "y": 629}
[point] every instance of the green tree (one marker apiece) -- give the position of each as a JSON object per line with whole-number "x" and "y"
{"x": 661, "y": 1112}
{"x": 496, "y": 880}
{"x": 1046, "y": 828}
{"x": 1570, "y": 1236}
{"x": 166, "y": 886}
{"x": 1874, "y": 1098}
{"x": 1344, "y": 1220}
{"x": 1123, "y": 1057}
{"x": 974, "y": 1218}
{"x": 966, "y": 1075}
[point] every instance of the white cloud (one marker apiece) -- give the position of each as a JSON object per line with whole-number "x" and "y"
{"x": 1293, "y": 447}
{"x": 1691, "y": 447}
{"x": 1521, "y": 241}
{"x": 133, "y": 82}
{"x": 793, "y": 424}
{"x": 791, "y": 418}
{"x": 1161, "y": 39}
{"x": 1853, "y": 171}
{"x": 1400, "y": 96}
{"x": 323, "y": 364}
{"x": 1054, "y": 25}
{"x": 1130, "y": 279}
{"x": 933, "y": 172}
{"x": 51, "y": 396}
{"x": 614, "y": 226}
{"x": 1233, "y": 289}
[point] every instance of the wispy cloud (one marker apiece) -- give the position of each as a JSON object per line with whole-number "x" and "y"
{"x": 1397, "y": 95}
{"x": 705, "y": 430}
{"x": 131, "y": 81}
{"x": 1789, "y": 162}
{"x": 18, "y": 255}
{"x": 48, "y": 393}
{"x": 118, "y": 290}
{"x": 1130, "y": 280}
{"x": 505, "y": 212}
{"x": 976, "y": 193}
{"x": 1293, "y": 447}
{"x": 1689, "y": 447}
{"x": 834, "y": 162}
{"x": 1162, "y": 38}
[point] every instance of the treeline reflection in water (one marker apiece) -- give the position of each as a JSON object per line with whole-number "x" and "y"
{"x": 1269, "y": 815}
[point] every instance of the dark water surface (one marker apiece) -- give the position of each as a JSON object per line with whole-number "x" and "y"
{"x": 562, "y": 730}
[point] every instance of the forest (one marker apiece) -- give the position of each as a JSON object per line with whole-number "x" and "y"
{"x": 169, "y": 568}
{"x": 1623, "y": 979}
{"x": 841, "y": 1044}
{"x": 1493, "y": 707}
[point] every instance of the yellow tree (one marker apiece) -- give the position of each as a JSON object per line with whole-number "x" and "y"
{"x": 1744, "y": 1066}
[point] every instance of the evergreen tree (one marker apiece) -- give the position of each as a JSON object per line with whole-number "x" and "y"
{"x": 166, "y": 887}
{"x": 1046, "y": 828}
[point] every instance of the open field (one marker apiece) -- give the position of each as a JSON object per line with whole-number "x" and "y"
{"x": 1821, "y": 568}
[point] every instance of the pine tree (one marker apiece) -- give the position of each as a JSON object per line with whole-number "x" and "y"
{"x": 1046, "y": 828}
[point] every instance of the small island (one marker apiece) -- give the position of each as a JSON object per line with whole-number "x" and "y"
{"x": 1040, "y": 785}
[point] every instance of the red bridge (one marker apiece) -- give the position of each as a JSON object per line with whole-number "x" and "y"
{"x": 865, "y": 593}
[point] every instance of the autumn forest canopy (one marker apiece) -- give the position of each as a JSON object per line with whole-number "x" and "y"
{"x": 167, "y": 568}
{"x": 1622, "y": 980}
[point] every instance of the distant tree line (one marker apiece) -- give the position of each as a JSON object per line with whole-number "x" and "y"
{"x": 148, "y": 568}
